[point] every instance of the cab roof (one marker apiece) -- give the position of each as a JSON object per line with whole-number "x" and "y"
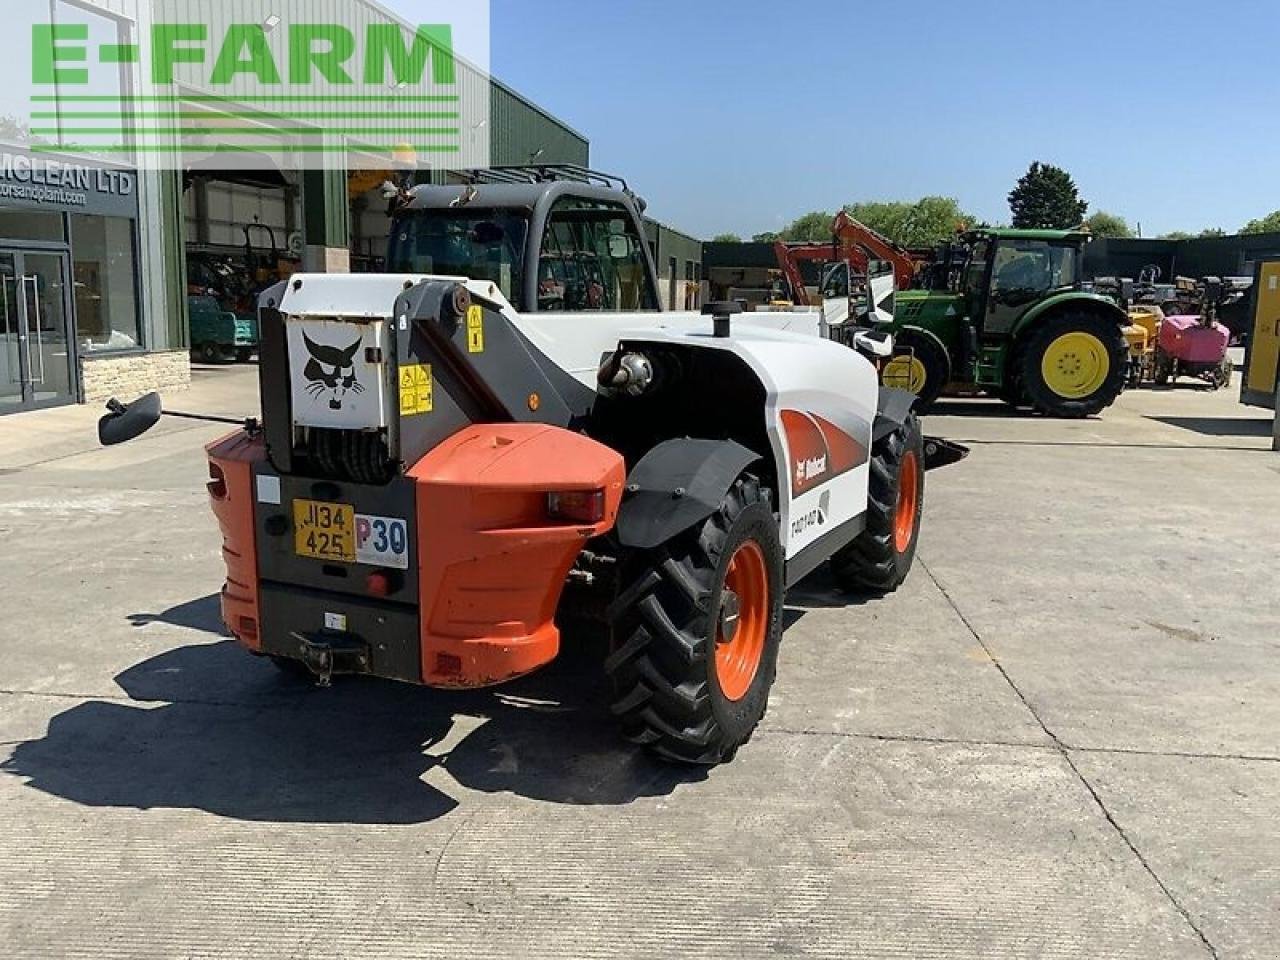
{"x": 1008, "y": 233}
{"x": 509, "y": 196}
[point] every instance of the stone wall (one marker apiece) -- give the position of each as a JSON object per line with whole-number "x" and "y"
{"x": 134, "y": 374}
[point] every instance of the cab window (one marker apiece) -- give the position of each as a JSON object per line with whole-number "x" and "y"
{"x": 1027, "y": 268}
{"x": 592, "y": 259}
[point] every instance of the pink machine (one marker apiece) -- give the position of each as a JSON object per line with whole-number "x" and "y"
{"x": 1189, "y": 340}
{"x": 1194, "y": 346}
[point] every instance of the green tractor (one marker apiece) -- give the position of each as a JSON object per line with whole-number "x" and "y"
{"x": 1008, "y": 315}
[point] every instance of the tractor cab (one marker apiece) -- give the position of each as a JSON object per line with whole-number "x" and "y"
{"x": 1011, "y": 270}
{"x": 552, "y": 239}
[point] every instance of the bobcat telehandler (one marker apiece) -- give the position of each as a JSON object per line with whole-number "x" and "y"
{"x": 506, "y": 433}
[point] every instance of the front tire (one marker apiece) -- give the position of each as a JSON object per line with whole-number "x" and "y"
{"x": 698, "y": 629}
{"x": 882, "y": 556}
{"x": 919, "y": 365}
{"x": 1073, "y": 365}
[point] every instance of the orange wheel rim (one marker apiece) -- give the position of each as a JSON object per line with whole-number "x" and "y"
{"x": 740, "y": 646}
{"x": 904, "y": 517}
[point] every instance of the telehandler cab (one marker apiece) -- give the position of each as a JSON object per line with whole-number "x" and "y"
{"x": 506, "y": 433}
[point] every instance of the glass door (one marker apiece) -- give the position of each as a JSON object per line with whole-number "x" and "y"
{"x": 13, "y": 377}
{"x": 50, "y": 360}
{"x": 37, "y": 361}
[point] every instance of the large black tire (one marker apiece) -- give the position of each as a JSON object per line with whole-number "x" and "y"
{"x": 210, "y": 353}
{"x": 1047, "y": 333}
{"x": 667, "y": 622}
{"x": 882, "y": 556}
{"x": 932, "y": 373}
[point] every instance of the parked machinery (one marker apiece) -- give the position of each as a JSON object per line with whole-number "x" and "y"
{"x": 1195, "y": 345}
{"x": 1013, "y": 319}
{"x": 508, "y": 433}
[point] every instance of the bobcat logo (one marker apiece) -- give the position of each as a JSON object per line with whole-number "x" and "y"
{"x": 331, "y": 372}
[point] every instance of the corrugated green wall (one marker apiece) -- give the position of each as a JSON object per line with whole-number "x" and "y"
{"x": 519, "y": 129}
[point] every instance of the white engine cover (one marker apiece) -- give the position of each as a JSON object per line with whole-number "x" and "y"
{"x": 822, "y": 396}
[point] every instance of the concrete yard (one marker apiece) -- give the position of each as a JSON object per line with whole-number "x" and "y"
{"x": 1060, "y": 739}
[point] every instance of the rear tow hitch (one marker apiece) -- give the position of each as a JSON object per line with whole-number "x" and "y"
{"x": 942, "y": 453}
{"x": 327, "y": 655}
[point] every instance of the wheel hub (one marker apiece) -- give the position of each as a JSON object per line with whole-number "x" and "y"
{"x": 742, "y": 622}
{"x": 730, "y": 617}
{"x": 1076, "y": 365}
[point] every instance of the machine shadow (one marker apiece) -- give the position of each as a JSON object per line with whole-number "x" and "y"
{"x": 211, "y": 728}
{"x": 978, "y": 408}
{"x": 204, "y": 615}
{"x": 1220, "y": 426}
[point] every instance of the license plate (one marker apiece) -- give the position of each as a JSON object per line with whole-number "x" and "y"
{"x": 336, "y": 533}
{"x": 324, "y": 531}
{"x": 382, "y": 542}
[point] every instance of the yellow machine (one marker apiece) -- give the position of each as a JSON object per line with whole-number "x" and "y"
{"x": 1142, "y": 334}
{"x": 1262, "y": 362}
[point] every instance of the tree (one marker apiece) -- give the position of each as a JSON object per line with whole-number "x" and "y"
{"x": 925, "y": 223}
{"x": 1268, "y": 224}
{"x": 1177, "y": 235}
{"x": 1046, "y": 198}
{"x": 726, "y": 238}
{"x": 1103, "y": 224}
{"x": 813, "y": 227}
{"x": 1210, "y": 233}
{"x": 769, "y": 236}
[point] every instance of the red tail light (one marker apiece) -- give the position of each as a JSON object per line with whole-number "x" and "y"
{"x": 217, "y": 482}
{"x": 576, "y": 506}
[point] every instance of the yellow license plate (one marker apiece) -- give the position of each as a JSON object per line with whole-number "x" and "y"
{"x": 324, "y": 531}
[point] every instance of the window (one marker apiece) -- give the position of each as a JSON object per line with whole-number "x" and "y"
{"x": 975, "y": 280}
{"x": 593, "y": 260}
{"x": 484, "y": 245}
{"x": 1026, "y": 268}
{"x": 105, "y": 283}
{"x": 32, "y": 225}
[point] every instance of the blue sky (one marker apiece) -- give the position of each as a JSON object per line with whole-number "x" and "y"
{"x": 738, "y": 115}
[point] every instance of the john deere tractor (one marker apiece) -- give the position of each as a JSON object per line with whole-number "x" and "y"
{"x": 1008, "y": 316}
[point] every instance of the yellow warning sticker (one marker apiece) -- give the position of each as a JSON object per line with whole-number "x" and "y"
{"x": 475, "y": 329}
{"x": 416, "y": 389}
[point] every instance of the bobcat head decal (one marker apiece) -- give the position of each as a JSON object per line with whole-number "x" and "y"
{"x": 331, "y": 372}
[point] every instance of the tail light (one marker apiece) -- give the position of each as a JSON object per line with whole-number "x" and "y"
{"x": 217, "y": 485}
{"x": 576, "y": 506}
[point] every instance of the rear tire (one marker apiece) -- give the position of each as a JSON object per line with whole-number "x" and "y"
{"x": 1073, "y": 365}
{"x": 882, "y": 556}
{"x": 680, "y": 688}
{"x": 927, "y": 377}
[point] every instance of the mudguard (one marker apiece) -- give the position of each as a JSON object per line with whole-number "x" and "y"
{"x": 892, "y": 411}
{"x": 677, "y": 485}
{"x": 895, "y": 407}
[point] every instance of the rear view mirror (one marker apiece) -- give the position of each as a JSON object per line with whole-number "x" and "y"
{"x": 125, "y": 422}
{"x": 874, "y": 343}
{"x": 620, "y": 247}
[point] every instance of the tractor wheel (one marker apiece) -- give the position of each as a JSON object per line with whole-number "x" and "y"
{"x": 210, "y": 353}
{"x": 882, "y": 556}
{"x": 1073, "y": 365}
{"x": 919, "y": 365}
{"x": 697, "y": 633}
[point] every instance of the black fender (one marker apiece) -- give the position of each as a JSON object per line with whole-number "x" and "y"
{"x": 894, "y": 409}
{"x": 676, "y": 486}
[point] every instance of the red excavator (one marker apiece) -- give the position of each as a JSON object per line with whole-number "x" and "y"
{"x": 853, "y": 243}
